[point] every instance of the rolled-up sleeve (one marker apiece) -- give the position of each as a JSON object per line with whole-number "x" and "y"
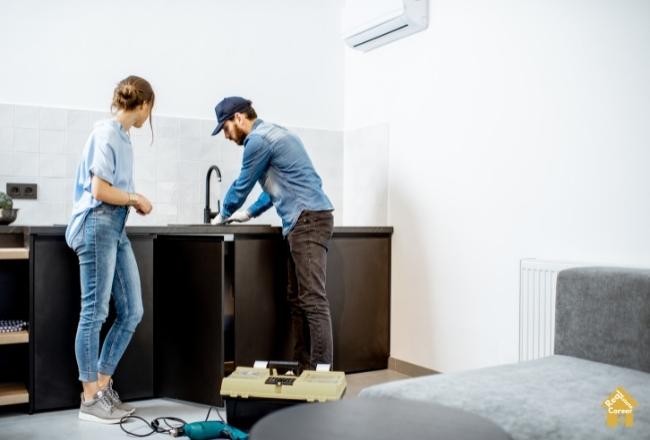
{"x": 102, "y": 160}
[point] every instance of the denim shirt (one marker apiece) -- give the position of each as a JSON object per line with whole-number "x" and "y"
{"x": 277, "y": 159}
{"x": 108, "y": 154}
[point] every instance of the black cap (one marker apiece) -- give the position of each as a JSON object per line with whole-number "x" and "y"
{"x": 227, "y": 108}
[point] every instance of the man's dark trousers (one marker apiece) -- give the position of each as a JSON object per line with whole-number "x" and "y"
{"x": 311, "y": 324}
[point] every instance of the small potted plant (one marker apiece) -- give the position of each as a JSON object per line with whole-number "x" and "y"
{"x": 7, "y": 212}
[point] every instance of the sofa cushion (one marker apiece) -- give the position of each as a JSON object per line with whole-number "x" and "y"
{"x": 603, "y": 314}
{"x": 558, "y": 397}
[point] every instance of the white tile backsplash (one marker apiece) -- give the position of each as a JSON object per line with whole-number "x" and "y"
{"x": 54, "y": 165}
{"x": 191, "y": 171}
{"x": 26, "y": 139}
{"x": 44, "y": 145}
{"x": 167, "y": 192}
{"x": 26, "y": 116}
{"x": 164, "y": 148}
{"x": 52, "y": 119}
{"x": 6, "y": 115}
{"x": 79, "y": 120}
{"x": 144, "y": 168}
{"x": 190, "y": 128}
{"x": 23, "y": 164}
{"x": 75, "y": 141}
{"x": 190, "y": 213}
{"x": 193, "y": 193}
{"x": 166, "y": 169}
{"x": 162, "y": 126}
{"x": 6, "y": 138}
{"x": 147, "y": 189}
{"x": 52, "y": 141}
{"x": 6, "y": 159}
{"x": 57, "y": 190}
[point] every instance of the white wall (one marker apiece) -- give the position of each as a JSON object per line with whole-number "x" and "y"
{"x": 517, "y": 129}
{"x": 284, "y": 55}
{"x": 365, "y": 176}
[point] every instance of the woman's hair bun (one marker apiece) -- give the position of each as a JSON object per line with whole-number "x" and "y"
{"x": 132, "y": 92}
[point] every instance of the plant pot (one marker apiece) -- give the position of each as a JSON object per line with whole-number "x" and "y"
{"x": 7, "y": 216}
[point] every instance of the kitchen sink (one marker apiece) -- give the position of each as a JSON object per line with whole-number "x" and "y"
{"x": 239, "y": 225}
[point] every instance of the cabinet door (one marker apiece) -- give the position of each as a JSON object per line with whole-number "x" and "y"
{"x": 55, "y": 299}
{"x": 189, "y": 324}
{"x": 134, "y": 375}
{"x": 358, "y": 288}
{"x": 262, "y": 326}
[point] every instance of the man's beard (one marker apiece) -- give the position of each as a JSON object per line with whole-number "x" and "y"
{"x": 238, "y": 135}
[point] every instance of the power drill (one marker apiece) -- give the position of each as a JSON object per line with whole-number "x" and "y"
{"x": 210, "y": 430}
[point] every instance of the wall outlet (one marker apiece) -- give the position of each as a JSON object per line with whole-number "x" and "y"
{"x": 22, "y": 190}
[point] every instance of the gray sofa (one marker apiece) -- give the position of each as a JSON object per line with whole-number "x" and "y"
{"x": 602, "y": 341}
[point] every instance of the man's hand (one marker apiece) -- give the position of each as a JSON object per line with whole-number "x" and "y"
{"x": 240, "y": 216}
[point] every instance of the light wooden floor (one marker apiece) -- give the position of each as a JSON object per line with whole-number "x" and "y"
{"x": 358, "y": 381}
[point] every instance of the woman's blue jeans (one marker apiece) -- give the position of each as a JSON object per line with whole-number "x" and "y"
{"x": 107, "y": 267}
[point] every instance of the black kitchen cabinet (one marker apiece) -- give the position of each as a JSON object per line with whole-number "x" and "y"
{"x": 358, "y": 289}
{"x": 189, "y": 342}
{"x": 55, "y": 299}
{"x": 219, "y": 302}
{"x": 14, "y": 305}
{"x": 262, "y": 327}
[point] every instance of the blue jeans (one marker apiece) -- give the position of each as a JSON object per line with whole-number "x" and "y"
{"x": 107, "y": 266}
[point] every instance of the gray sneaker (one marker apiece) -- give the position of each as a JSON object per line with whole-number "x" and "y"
{"x": 116, "y": 399}
{"x": 101, "y": 409}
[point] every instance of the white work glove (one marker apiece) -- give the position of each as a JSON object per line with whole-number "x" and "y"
{"x": 240, "y": 216}
{"x": 217, "y": 220}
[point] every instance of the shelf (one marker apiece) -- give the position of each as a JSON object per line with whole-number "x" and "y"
{"x": 14, "y": 253}
{"x": 21, "y": 337}
{"x": 13, "y": 394}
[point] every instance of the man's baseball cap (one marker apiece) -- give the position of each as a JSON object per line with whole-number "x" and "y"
{"x": 227, "y": 108}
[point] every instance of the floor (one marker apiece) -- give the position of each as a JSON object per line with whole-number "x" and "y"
{"x": 61, "y": 425}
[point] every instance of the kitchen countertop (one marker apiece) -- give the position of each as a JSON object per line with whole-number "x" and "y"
{"x": 199, "y": 229}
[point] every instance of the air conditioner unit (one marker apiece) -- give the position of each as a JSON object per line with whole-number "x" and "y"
{"x": 369, "y": 24}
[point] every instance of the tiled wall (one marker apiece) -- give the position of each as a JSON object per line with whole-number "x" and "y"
{"x": 43, "y": 145}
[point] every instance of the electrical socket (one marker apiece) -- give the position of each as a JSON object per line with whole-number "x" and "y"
{"x": 22, "y": 190}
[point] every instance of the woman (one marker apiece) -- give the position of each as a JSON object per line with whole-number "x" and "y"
{"x": 103, "y": 194}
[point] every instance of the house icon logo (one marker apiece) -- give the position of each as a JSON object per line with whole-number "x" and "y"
{"x": 620, "y": 405}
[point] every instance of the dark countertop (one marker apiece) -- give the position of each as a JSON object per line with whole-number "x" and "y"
{"x": 198, "y": 229}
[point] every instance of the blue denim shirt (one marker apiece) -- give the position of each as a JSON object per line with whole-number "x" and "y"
{"x": 108, "y": 154}
{"x": 277, "y": 159}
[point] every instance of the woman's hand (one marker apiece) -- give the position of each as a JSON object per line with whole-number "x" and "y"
{"x": 143, "y": 205}
{"x": 105, "y": 192}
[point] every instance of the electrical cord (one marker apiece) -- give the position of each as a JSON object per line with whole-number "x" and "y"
{"x": 172, "y": 429}
{"x": 218, "y": 414}
{"x": 225, "y": 431}
{"x": 155, "y": 425}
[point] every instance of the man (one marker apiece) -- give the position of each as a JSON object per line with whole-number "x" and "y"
{"x": 276, "y": 158}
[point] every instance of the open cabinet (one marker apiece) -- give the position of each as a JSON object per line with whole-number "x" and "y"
{"x": 14, "y": 306}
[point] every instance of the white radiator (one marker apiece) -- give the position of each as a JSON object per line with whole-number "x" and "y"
{"x": 537, "y": 281}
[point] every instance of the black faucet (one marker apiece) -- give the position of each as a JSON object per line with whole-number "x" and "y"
{"x": 207, "y": 213}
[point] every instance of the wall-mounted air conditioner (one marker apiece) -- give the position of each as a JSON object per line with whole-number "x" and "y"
{"x": 368, "y": 24}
